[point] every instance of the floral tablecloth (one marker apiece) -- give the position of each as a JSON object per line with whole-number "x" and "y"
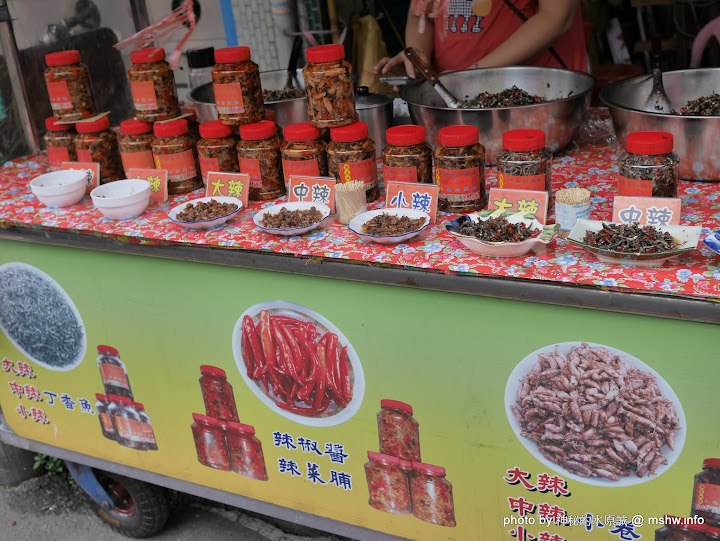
{"x": 695, "y": 274}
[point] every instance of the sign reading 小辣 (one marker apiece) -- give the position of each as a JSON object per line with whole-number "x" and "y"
{"x": 228, "y": 185}
{"x": 527, "y": 201}
{"x": 158, "y": 179}
{"x": 91, "y": 170}
{"x": 655, "y": 211}
{"x": 312, "y": 190}
{"x": 412, "y": 195}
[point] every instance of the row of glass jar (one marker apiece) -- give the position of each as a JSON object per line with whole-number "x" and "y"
{"x": 125, "y": 422}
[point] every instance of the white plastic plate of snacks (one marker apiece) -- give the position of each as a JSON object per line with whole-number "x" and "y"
{"x": 357, "y": 223}
{"x": 291, "y": 231}
{"x": 205, "y": 224}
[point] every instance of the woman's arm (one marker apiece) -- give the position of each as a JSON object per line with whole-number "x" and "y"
{"x": 423, "y": 43}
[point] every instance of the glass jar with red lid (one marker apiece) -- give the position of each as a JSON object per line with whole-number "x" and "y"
{"x": 351, "y": 156}
{"x": 135, "y": 142}
{"x": 210, "y": 444}
{"x": 217, "y": 394}
{"x": 174, "y": 149}
{"x": 96, "y": 142}
{"x": 152, "y": 84}
{"x": 387, "y": 478}
{"x": 706, "y": 493}
{"x": 648, "y": 167}
{"x": 304, "y": 153}
{"x": 259, "y": 156}
{"x": 113, "y": 372}
{"x": 460, "y": 170}
{"x": 524, "y": 163}
{"x": 398, "y": 430}
{"x": 246, "y": 454}
{"x": 144, "y": 428}
{"x": 216, "y": 149}
{"x": 680, "y": 529}
{"x": 68, "y": 85}
{"x": 236, "y": 83}
{"x": 431, "y": 495}
{"x": 329, "y": 87}
{"x": 407, "y": 157}
{"x": 59, "y": 142}
{"x": 106, "y": 421}
{"x": 127, "y": 422}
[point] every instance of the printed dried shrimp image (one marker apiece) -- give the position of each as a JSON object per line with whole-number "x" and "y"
{"x": 298, "y": 363}
{"x": 595, "y": 414}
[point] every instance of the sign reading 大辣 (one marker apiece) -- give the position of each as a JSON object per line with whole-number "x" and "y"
{"x": 655, "y": 211}
{"x": 158, "y": 179}
{"x": 527, "y": 201}
{"x": 312, "y": 190}
{"x": 228, "y": 185}
{"x": 91, "y": 170}
{"x": 412, "y": 195}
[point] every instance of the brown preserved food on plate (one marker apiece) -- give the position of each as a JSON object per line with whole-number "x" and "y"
{"x": 389, "y": 224}
{"x": 524, "y": 163}
{"x": 68, "y": 86}
{"x": 174, "y": 149}
{"x": 431, "y": 495}
{"x": 210, "y": 443}
{"x": 259, "y": 156}
{"x": 329, "y": 87}
{"x": 152, "y": 84}
{"x": 291, "y": 219}
{"x": 59, "y": 142}
{"x": 246, "y": 454}
{"x": 648, "y": 167}
{"x": 680, "y": 529}
{"x": 304, "y": 153}
{"x": 460, "y": 170}
{"x": 206, "y": 211}
{"x": 135, "y": 142}
{"x": 351, "y": 156}
{"x": 216, "y": 149}
{"x": 407, "y": 157}
{"x": 706, "y": 493}
{"x": 96, "y": 142}
{"x": 387, "y": 479}
{"x": 236, "y": 83}
{"x": 398, "y": 430}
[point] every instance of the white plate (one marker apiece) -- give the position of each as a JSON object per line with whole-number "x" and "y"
{"x": 526, "y": 365}
{"x": 356, "y": 225}
{"x": 324, "y": 209}
{"x": 334, "y": 415}
{"x": 205, "y": 224}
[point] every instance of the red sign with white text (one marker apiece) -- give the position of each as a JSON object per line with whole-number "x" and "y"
{"x": 412, "y": 195}
{"x": 528, "y": 201}
{"x": 228, "y": 185}
{"x": 158, "y": 179}
{"x": 655, "y": 211}
{"x": 91, "y": 169}
{"x": 312, "y": 189}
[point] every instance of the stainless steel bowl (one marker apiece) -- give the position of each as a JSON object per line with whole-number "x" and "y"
{"x": 696, "y": 137}
{"x": 569, "y": 90}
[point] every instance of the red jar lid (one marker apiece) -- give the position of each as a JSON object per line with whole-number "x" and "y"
{"x": 649, "y": 142}
{"x": 395, "y": 404}
{"x": 206, "y": 420}
{"x": 108, "y": 350}
{"x": 711, "y": 463}
{"x": 523, "y": 140}
{"x": 62, "y": 58}
{"x": 149, "y": 54}
{"x": 94, "y": 126}
{"x": 710, "y": 530}
{"x": 458, "y": 136}
{"x": 101, "y": 397}
{"x": 403, "y": 136}
{"x": 300, "y": 132}
{"x": 681, "y": 522}
{"x": 133, "y": 126}
{"x": 349, "y": 134}
{"x": 269, "y": 115}
{"x": 230, "y": 55}
{"x": 53, "y": 125}
{"x": 259, "y": 130}
{"x": 325, "y": 53}
{"x": 138, "y": 406}
{"x": 173, "y": 128}
{"x": 207, "y": 370}
{"x": 214, "y": 129}
{"x": 389, "y": 459}
{"x": 428, "y": 468}
{"x": 241, "y": 427}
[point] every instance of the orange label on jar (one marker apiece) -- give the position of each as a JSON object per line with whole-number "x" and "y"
{"x": 59, "y": 96}
{"x": 522, "y": 182}
{"x": 399, "y": 174}
{"x": 302, "y": 168}
{"x": 144, "y": 431}
{"x": 458, "y": 184}
{"x": 208, "y": 165}
{"x": 138, "y": 160}
{"x": 228, "y": 98}
{"x": 107, "y": 423}
{"x": 364, "y": 170}
{"x": 629, "y": 186}
{"x": 84, "y": 155}
{"x": 180, "y": 166}
{"x": 114, "y": 375}
{"x": 143, "y": 93}
{"x": 251, "y": 167}
{"x": 57, "y": 155}
{"x": 126, "y": 428}
{"x": 707, "y": 498}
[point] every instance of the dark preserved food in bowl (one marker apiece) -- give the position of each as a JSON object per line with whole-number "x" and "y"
{"x": 329, "y": 87}
{"x": 680, "y": 529}
{"x": 126, "y": 421}
{"x": 351, "y": 156}
{"x": 68, "y": 86}
{"x": 144, "y": 428}
{"x": 217, "y": 394}
{"x": 282, "y": 94}
{"x": 59, "y": 142}
{"x": 387, "y": 479}
{"x": 216, "y": 149}
{"x": 510, "y": 97}
{"x": 135, "y": 142}
{"x": 460, "y": 170}
{"x": 113, "y": 372}
{"x": 246, "y": 454}
{"x": 648, "y": 167}
{"x": 106, "y": 422}
{"x": 389, "y": 224}
{"x": 236, "y": 83}
{"x": 706, "y": 493}
{"x": 174, "y": 149}
{"x": 524, "y": 163}
{"x": 631, "y": 238}
{"x": 703, "y": 106}
{"x": 152, "y": 84}
{"x": 407, "y": 157}
{"x": 290, "y": 219}
{"x": 431, "y": 495}
{"x": 304, "y": 154}
{"x": 205, "y": 211}
{"x": 259, "y": 156}
{"x": 497, "y": 229}
{"x": 210, "y": 444}
{"x": 398, "y": 430}
{"x": 96, "y": 142}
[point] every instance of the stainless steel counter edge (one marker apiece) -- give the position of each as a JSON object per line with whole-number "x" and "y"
{"x": 658, "y": 305}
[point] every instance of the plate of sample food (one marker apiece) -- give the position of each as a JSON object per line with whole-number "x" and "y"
{"x": 205, "y": 212}
{"x": 389, "y": 226}
{"x": 290, "y": 219}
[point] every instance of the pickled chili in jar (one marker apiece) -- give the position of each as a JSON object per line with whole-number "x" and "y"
{"x": 431, "y": 495}
{"x": 126, "y": 421}
{"x": 210, "y": 444}
{"x": 351, "y": 156}
{"x": 174, "y": 149}
{"x": 216, "y": 149}
{"x": 113, "y": 372}
{"x": 152, "y": 84}
{"x": 407, "y": 157}
{"x": 236, "y": 83}
{"x": 135, "y": 143}
{"x": 106, "y": 422}
{"x": 96, "y": 142}
{"x": 524, "y": 163}
{"x": 648, "y": 167}
{"x": 678, "y": 529}
{"x": 329, "y": 87}
{"x": 68, "y": 86}
{"x": 304, "y": 153}
{"x": 706, "y": 493}
{"x": 387, "y": 479}
{"x": 460, "y": 170}
{"x": 217, "y": 394}
{"x": 246, "y": 454}
{"x": 59, "y": 142}
{"x": 259, "y": 156}
{"x": 398, "y": 430}
{"x": 144, "y": 428}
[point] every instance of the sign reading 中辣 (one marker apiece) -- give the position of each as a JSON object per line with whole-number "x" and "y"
{"x": 312, "y": 190}
{"x": 412, "y": 195}
{"x": 655, "y": 211}
{"x": 228, "y": 185}
{"x": 527, "y": 201}
{"x": 158, "y": 179}
{"x": 91, "y": 170}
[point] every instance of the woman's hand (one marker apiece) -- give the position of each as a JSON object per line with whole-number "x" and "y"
{"x": 391, "y": 65}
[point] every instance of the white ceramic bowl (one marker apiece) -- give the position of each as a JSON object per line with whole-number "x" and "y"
{"x": 324, "y": 209}
{"x": 205, "y": 224}
{"x": 122, "y": 199}
{"x": 59, "y": 188}
{"x": 356, "y": 225}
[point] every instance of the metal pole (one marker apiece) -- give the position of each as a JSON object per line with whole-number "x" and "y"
{"x": 140, "y": 16}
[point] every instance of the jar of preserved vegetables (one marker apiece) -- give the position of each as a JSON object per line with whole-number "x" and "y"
{"x": 431, "y": 495}
{"x": 246, "y": 454}
{"x": 407, "y": 157}
{"x": 96, "y": 142}
{"x": 106, "y": 422}
{"x": 304, "y": 153}
{"x": 174, "y": 149}
{"x": 706, "y": 493}
{"x": 144, "y": 428}
{"x": 648, "y": 167}
{"x": 677, "y": 529}
{"x": 135, "y": 142}
{"x": 113, "y": 372}
{"x": 59, "y": 142}
{"x": 398, "y": 430}
{"x": 259, "y": 156}
{"x": 460, "y": 170}
{"x": 524, "y": 163}
{"x": 387, "y": 479}
{"x": 210, "y": 444}
{"x": 216, "y": 149}
{"x": 152, "y": 84}
{"x": 217, "y": 394}
{"x": 236, "y": 83}
{"x": 68, "y": 85}
{"x": 329, "y": 87}
{"x": 127, "y": 422}
{"x": 351, "y": 156}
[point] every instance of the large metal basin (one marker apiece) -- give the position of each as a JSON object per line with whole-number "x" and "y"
{"x": 696, "y": 137}
{"x": 558, "y": 119}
